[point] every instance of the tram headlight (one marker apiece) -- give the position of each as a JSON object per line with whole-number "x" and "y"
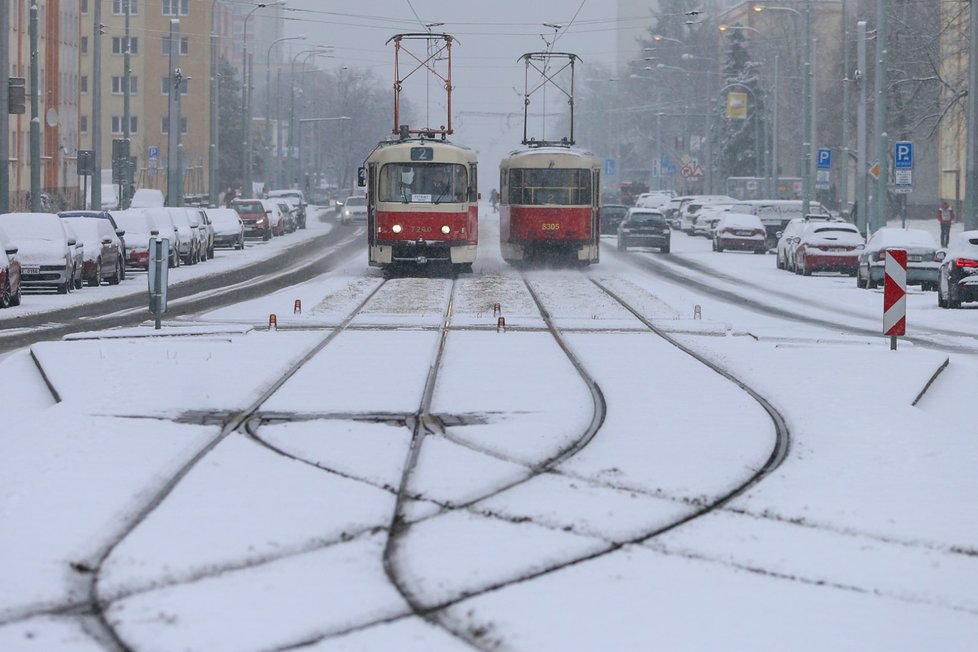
{"x": 446, "y": 229}
{"x": 396, "y": 228}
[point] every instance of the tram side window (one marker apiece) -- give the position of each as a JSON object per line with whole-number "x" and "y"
{"x": 430, "y": 182}
{"x": 560, "y": 187}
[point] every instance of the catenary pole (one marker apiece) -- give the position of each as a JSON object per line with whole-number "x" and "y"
{"x": 882, "y": 149}
{"x": 35, "y": 140}
{"x": 4, "y": 109}
{"x": 96, "y": 202}
{"x": 862, "y": 191}
{"x": 971, "y": 173}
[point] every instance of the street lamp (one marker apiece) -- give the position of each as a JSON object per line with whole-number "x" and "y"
{"x": 303, "y": 121}
{"x": 246, "y": 100}
{"x": 268, "y": 89}
{"x": 212, "y": 150}
{"x": 747, "y": 28}
{"x": 319, "y": 50}
{"x": 806, "y": 113}
{"x": 660, "y": 37}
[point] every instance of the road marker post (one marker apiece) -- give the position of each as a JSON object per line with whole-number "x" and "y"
{"x": 895, "y": 295}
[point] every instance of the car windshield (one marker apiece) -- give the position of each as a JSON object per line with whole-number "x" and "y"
{"x": 356, "y": 201}
{"x": 32, "y": 226}
{"x": 133, "y": 223}
{"x": 647, "y": 218}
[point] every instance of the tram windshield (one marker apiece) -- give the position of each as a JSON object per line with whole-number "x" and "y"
{"x": 423, "y": 183}
{"x": 563, "y": 187}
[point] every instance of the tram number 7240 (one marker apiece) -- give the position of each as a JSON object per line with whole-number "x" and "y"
{"x": 551, "y": 226}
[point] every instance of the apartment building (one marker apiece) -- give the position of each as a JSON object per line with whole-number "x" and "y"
{"x": 58, "y": 101}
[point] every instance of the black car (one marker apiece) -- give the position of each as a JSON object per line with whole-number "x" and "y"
{"x": 644, "y": 227}
{"x": 957, "y": 279}
{"x": 611, "y": 217}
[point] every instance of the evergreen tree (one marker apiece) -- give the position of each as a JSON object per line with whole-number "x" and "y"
{"x": 739, "y": 141}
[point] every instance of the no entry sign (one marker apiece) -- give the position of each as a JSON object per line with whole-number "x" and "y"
{"x": 895, "y": 293}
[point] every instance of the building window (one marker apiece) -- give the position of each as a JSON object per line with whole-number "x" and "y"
{"x": 83, "y": 45}
{"x": 118, "y": 122}
{"x": 165, "y": 86}
{"x": 84, "y": 84}
{"x": 118, "y": 45}
{"x": 176, "y": 7}
{"x": 119, "y": 7}
{"x": 184, "y": 46}
{"x": 83, "y": 124}
{"x": 84, "y": 7}
{"x": 119, "y": 84}
{"x": 165, "y": 125}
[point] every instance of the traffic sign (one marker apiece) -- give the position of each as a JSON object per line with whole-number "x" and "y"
{"x": 874, "y": 170}
{"x": 610, "y": 167}
{"x": 903, "y": 155}
{"x": 823, "y": 179}
{"x": 154, "y": 152}
{"x": 895, "y": 294}
{"x": 824, "y": 161}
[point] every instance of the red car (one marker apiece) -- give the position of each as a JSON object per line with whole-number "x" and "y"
{"x": 254, "y": 216}
{"x": 828, "y": 247}
{"x": 958, "y": 278}
{"x": 9, "y": 274}
{"x": 741, "y": 231}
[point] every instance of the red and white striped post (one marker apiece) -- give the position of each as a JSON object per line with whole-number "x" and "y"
{"x": 895, "y": 295}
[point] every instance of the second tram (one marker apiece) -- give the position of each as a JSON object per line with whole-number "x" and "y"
{"x": 549, "y": 205}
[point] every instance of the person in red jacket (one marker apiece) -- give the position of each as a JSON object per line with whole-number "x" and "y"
{"x": 945, "y": 215}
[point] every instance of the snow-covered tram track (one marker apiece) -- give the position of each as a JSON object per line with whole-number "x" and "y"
{"x": 94, "y": 607}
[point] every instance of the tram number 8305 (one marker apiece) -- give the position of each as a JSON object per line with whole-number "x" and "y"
{"x": 551, "y": 226}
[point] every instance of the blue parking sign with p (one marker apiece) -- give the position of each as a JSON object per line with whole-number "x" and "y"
{"x": 903, "y": 154}
{"x": 824, "y": 161}
{"x": 610, "y": 167}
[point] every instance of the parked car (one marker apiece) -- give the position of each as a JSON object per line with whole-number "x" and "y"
{"x": 828, "y": 247}
{"x": 922, "y": 264}
{"x": 44, "y": 249}
{"x": 254, "y": 216}
{"x": 657, "y": 199}
{"x": 102, "y": 256}
{"x": 611, "y": 217}
{"x": 958, "y": 274}
{"x": 228, "y": 229}
{"x": 189, "y": 242}
{"x": 741, "y": 231}
{"x": 9, "y": 273}
{"x": 202, "y": 232}
{"x": 291, "y": 225}
{"x": 354, "y": 210}
{"x": 77, "y": 258}
{"x": 275, "y": 216}
{"x": 691, "y": 206}
{"x": 179, "y": 239}
{"x": 105, "y": 215}
{"x": 147, "y": 198}
{"x": 296, "y": 201}
{"x": 705, "y": 222}
{"x": 788, "y": 239}
{"x": 139, "y": 227}
{"x": 644, "y": 227}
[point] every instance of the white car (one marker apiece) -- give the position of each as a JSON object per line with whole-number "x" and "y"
{"x": 354, "y": 210}
{"x": 275, "y": 216}
{"x": 44, "y": 249}
{"x": 228, "y": 228}
{"x": 139, "y": 228}
{"x": 741, "y": 231}
{"x": 707, "y": 217}
{"x": 923, "y": 268}
{"x": 181, "y": 241}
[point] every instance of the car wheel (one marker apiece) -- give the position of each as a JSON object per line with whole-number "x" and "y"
{"x": 96, "y": 280}
{"x": 953, "y": 301}
{"x": 15, "y": 297}
{"x": 63, "y": 287}
{"x": 779, "y": 263}
{"x": 622, "y": 246}
{"x": 871, "y": 284}
{"x": 5, "y": 301}
{"x": 664, "y": 250}
{"x": 860, "y": 282}
{"x": 115, "y": 278}
{"x": 718, "y": 248}
{"x": 267, "y": 235}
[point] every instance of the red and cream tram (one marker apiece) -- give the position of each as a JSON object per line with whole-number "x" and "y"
{"x": 548, "y": 209}
{"x": 422, "y": 204}
{"x": 422, "y": 191}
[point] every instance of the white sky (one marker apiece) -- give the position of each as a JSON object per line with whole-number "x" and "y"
{"x": 488, "y": 76}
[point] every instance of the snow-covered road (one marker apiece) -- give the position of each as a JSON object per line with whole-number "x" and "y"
{"x": 134, "y": 520}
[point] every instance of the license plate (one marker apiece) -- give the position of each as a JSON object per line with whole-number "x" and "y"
{"x": 915, "y": 259}
{"x": 837, "y": 250}
{"x": 745, "y": 234}
{"x": 30, "y": 269}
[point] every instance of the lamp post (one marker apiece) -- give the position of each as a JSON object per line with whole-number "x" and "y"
{"x": 268, "y": 92}
{"x": 246, "y": 100}
{"x": 315, "y": 51}
{"x": 35, "y": 138}
{"x": 314, "y": 121}
{"x": 212, "y": 149}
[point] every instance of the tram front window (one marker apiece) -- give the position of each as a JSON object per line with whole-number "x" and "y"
{"x": 423, "y": 183}
{"x": 537, "y": 187}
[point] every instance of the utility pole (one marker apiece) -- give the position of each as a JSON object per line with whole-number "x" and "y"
{"x": 971, "y": 174}
{"x": 806, "y": 118}
{"x": 775, "y": 170}
{"x": 844, "y": 181}
{"x": 126, "y": 193}
{"x": 96, "y": 202}
{"x": 35, "y": 155}
{"x": 174, "y": 178}
{"x": 882, "y": 149}
{"x": 212, "y": 150}
{"x": 4, "y": 108}
{"x": 862, "y": 191}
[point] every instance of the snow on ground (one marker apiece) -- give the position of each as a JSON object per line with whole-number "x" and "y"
{"x": 864, "y": 538}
